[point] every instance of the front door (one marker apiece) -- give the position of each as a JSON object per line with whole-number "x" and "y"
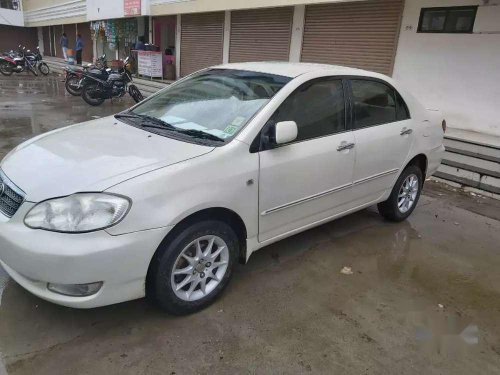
{"x": 383, "y": 135}
{"x": 309, "y": 179}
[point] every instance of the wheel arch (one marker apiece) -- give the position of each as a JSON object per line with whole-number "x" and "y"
{"x": 214, "y": 213}
{"x": 421, "y": 162}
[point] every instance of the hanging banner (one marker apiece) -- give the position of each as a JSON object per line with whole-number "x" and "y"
{"x": 150, "y": 63}
{"x": 132, "y": 7}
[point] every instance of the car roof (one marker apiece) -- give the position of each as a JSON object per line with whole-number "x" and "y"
{"x": 293, "y": 70}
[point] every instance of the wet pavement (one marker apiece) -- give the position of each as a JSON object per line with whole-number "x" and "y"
{"x": 423, "y": 296}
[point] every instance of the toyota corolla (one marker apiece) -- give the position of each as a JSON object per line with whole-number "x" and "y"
{"x": 163, "y": 199}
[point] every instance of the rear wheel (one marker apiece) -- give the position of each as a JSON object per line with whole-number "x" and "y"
{"x": 43, "y": 68}
{"x": 190, "y": 271}
{"x": 404, "y": 195}
{"x": 6, "y": 69}
{"x": 89, "y": 94}
{"x": 73, "y": 85}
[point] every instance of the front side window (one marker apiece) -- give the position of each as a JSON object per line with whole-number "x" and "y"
{"x": 447, "y": 20}
{"x": 218, "y": 102}
{"x": 317, "y": 107}
{"x": 373, "y": 103}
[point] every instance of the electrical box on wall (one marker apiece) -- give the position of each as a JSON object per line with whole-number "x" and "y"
{"x": 487, "y": 19}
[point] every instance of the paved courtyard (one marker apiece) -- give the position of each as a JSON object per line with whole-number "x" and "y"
{"x": 423, "y": 296}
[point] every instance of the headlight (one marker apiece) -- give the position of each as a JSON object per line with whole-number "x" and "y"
{"x": 78, "y": 213}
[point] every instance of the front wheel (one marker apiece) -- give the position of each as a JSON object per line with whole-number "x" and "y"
{"x": 32, "y": 69}
{"x": 90, "y": 94}
{"x": 404, "y": 195}
{"x": 190, "y": 271}
{"x": 43, "y": 68}
{"x": 6, "y": 69}
{"x": 135, "y": 93}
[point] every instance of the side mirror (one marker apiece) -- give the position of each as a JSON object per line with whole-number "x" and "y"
{"x": 285, "y": 131}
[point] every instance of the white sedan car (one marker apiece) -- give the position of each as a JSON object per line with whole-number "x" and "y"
{"x": 163, "y": 199}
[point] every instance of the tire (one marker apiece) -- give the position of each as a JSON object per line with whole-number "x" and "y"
{"x": 135, "y": 93}
{"x": 215, "y": 276}
{"x": 395, "y": 208}
{"x": 86, "y": 94}
{"x": 71, "y": 84}
{"x": 44, "y": 68}
{"x": 5, "y": 69}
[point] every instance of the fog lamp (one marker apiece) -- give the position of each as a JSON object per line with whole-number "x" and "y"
{"x": 75, "y": 290}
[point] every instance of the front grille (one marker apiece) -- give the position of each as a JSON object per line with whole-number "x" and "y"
{"x": 11, "y": 197}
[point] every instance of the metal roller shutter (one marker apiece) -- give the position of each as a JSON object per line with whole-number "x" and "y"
{"x": 261, "y": 34}
{"x": 57, "y": 31}
{"x": 202, "y": 38}
{"x": 360, "y": 34}
{"x": 88, "y": 43}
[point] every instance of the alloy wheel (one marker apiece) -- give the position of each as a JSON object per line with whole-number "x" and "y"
{"x": 199, "y": 268}
{"x": 408, "y": 193}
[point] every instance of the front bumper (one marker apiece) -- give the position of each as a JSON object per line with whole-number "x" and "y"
{"x": 35, "y": 257}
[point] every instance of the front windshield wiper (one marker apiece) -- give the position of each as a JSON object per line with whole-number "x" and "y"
{"x": 147, "y": 121}
{"x": 199, "y": 134}
{"x": 156, "y": 123}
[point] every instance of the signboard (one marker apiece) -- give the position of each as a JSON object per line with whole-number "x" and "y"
{"x": 150, "y": 63}
{"x": 132, "y": 7}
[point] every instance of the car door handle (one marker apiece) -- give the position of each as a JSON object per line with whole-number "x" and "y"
{"x": 406, "y": 131}
{"x": 345, "y": 146}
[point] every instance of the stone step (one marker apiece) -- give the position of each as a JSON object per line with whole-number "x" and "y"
{"x": 472, "y": 164}
{"x": 472, "y": 149}
{"x": 469, "y": 178}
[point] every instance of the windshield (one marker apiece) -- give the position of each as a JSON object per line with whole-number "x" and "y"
{"x": 219, "y": 102}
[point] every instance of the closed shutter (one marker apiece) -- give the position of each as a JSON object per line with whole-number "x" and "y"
{"x": 261, "y": 34}
{"x": 202, "y": 38}
{"x": 70, "y": 31}
{"x": 47, "y": 43}
{"x": 57, "y": 34}
{"x": 360, "y": 34}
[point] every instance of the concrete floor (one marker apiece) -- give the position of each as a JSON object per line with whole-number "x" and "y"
{"x": 424, "y": 296}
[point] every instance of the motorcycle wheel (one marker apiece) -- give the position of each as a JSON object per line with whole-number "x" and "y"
{"x": 5, "y": 69}
{"x": 32, "y": 70}
{"x": 87, "y": 95}
{"x": 44, "y": 68}
{"x": 135, "y": 93}
{"x": 72, "y": 86}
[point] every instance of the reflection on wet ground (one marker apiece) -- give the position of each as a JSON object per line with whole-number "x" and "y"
{"x": 424, "y": 297}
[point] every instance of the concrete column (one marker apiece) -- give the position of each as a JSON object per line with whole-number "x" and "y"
{"x": 150, "y": 37}
{"x": 40, "y": 40}
{"x": 94, "y": 48}
{"x": 227, "y": 37}
{"x": 178, "y": 38}
{"x": 297, "y": 33}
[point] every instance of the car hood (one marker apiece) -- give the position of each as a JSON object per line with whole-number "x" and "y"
{"x": 91, "y": 156}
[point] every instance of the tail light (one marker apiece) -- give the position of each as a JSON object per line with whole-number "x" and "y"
{"x": 443, "y": 125}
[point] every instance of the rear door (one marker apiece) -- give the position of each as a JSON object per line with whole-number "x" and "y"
{"x": 307, "y": 180}
{"x": 383, "y": 134}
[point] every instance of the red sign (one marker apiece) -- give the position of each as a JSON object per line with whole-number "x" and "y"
{"x": 132, "y": 7}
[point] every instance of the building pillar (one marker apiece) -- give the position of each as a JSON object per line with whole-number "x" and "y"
{"x": 40, "y": 40}
{"x": 297, "y": 33}
{"x": 150, "y": 37}
{"x": 227, "y": 37}
{"x": 178, "y": 37}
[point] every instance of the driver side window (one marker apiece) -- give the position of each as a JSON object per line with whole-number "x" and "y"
{"x": 317, "y": 107}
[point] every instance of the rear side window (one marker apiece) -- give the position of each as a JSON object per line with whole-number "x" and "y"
{"x": 402, "y": 112}
{"x": 374, "y": 103}
{"x": 317, "y": 107}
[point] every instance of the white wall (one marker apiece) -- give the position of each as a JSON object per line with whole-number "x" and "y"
{"x": 11, "y": 17}
{"x": 104, "y": 9}
{"x": 457, "y": 73}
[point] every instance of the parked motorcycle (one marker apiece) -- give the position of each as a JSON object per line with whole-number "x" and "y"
{"x": 96, "y": 90}
{"x": 74, "y": 77}
{"x": 23, "y": 60}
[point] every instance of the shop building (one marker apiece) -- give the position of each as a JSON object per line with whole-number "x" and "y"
{"x": 448, "y": 67}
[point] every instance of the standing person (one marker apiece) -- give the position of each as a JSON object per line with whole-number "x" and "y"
{"x": 64, "y": 46}
{"x": 78, "y": 49}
